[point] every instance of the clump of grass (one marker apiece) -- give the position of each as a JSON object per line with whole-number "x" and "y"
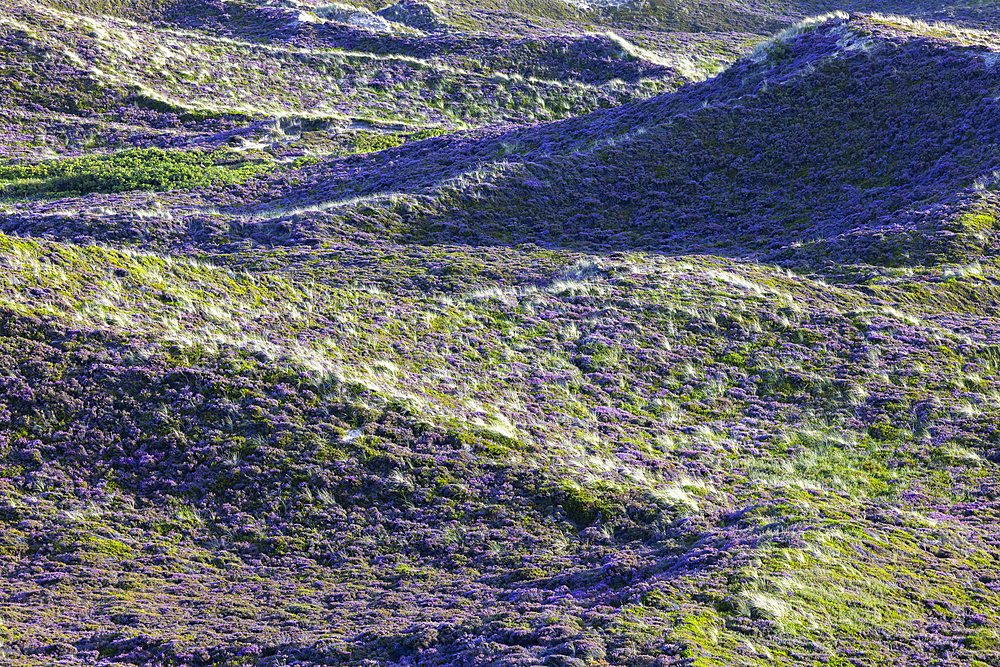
{"x": 761, "y": 51}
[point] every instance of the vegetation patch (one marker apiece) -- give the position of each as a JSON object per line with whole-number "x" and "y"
{"x": 148, "y": 169}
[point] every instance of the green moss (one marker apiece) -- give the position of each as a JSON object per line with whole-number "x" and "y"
{"x": 112, "y": 548}
{"x": 734, "y": 359}
{"x": 884, "y": 432}
{"x": 367, "y": 142}
{"x": 583, "y": 505}
{"x": 976, "y": 222}
{"x": 982, "y": 640}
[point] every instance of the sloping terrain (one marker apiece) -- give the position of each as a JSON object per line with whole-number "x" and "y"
{"x": 620, "y": 460}
{"x": 798, "y": 150}
{"x": 312, "y": 352}
{"x": 796, "y": 153}
{"x": 199, "y": 74}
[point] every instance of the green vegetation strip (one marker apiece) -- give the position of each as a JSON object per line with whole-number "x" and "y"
{"x": 150, "y": 169}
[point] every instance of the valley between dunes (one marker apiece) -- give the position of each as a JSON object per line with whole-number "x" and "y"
{"x": 499, "y": 333}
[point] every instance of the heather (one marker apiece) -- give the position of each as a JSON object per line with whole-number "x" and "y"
{"x": 529, "y": 333}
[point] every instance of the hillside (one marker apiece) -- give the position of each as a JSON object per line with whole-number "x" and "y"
{"x": 794, "y": 154}
{"x": 316, "y": 349}
{"x": 198, "y": 74}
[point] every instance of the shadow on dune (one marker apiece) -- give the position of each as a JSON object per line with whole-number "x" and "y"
{"x": 852, "y": 141}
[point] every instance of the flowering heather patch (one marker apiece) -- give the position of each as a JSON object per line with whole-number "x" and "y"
{"x": 794, "y": 154}
{"x": 637, "y": 456}
{"x": 312, "y": 354}
{"x": 95, "y": 79}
